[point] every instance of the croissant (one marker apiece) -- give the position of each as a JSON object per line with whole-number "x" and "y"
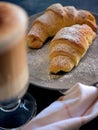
{"x": 68, "y": 46}
{"x": 53, "y": 19}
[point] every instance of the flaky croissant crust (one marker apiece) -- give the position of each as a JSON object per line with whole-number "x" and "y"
{"x": 68, "y": 47}
{"x": 53, "y": 19}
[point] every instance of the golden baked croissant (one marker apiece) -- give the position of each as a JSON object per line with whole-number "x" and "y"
{"x": 68, "y": 46}
{"x": 53, "y": 19}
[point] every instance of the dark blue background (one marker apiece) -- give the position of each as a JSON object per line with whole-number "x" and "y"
{"x": 35, "y": 6}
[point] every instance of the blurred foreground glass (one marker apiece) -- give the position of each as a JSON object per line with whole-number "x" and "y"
{"x": 15, "y": 107}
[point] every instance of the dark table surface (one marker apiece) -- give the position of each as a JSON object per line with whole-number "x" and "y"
{"x": 35, "y": 6}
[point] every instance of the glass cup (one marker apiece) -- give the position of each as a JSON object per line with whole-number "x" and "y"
{"x": 14, "y": 73}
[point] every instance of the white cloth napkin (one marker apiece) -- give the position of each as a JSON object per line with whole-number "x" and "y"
{"x": 78, "y": 106}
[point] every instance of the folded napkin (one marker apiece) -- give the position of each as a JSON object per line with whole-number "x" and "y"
{"x": 78, "y": 106}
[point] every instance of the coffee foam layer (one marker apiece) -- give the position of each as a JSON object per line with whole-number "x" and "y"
{"x": 13, "y": 21}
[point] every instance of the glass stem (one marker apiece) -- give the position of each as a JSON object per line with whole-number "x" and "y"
{"x": 11, "y": 107}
